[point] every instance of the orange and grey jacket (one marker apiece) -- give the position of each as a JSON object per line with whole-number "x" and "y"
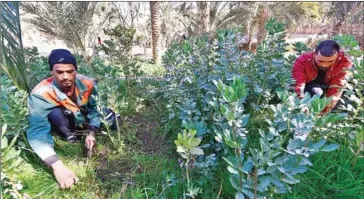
{"x": 46, "y": 96}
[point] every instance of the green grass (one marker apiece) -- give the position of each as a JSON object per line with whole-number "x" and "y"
{"x": 151, "y": 69}
{"x": 333, "y": 176}
{"x": 129, "y": 171}
{"x": 132, "y": 173}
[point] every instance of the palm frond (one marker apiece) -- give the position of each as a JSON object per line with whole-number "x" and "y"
{"x": 11, "y": 53}
{"x": 68, "y": 21}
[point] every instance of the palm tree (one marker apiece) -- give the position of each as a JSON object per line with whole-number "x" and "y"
{"x": 204, "y": 16}
{"x": 154, "y": 13}
{"x": 69, "y": 21}
{"x": 263, "y": 16}
{"x": 11, "y": 47}
{"x": 292, "y": 13}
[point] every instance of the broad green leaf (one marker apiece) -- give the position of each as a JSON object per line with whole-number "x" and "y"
{"x": 239, "y": 195}
{"x": 248, "y": 193}
{"x": 330, "y": 147}
{"x": 281, "y": 160}
{"x": 230, "y": 116}
{"x": 319, "y": 144}
{"x": 11, "y": 154}
{"x": 234, "y": 182}
{"x": 245, "y": 120}
{"x": 305, "y": 161}
{"x": 294, "y": 144}
{"x": 331, "y": 118}
{"x": 231, "y": 143}
{"x": 232, "y": 170}
{"x": 230, "y": 160}
{"x": 15, "y": 164}
{"x": 4, "y": 142}
{"x": 3, "y": 129}
{"x": 289, "y": 179}
{"x": 196, "y": 151}
{"x": 261, "y": 172}
{"x": 195, "y": 142}
{"x": 282, "y": 126}
{"x": 299, "y": 169}
{"x": 181, "y": 149}
{"x": 264, "y": 182}
{"x": 247, "y": 167}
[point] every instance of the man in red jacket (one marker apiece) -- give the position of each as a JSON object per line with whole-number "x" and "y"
{"x": 323, "y": 72}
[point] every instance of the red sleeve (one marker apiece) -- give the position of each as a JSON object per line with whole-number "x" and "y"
{"x": 338, "y": 82}
{"x": 299, "y": 75}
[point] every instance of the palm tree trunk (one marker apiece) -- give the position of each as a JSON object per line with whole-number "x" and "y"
{"x": 251, "y": 24}
{"x": 262, "y": 19}
{"x": 154, "y": 13}
{"x": 204, "y": 15}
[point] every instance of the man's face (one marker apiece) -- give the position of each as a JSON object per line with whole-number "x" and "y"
{"x": 65, "y": 75}
{"x": 323, "y": 62}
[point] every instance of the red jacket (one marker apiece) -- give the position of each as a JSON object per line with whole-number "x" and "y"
{"x": 304, "y": 71}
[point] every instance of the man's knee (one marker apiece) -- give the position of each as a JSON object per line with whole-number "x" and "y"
{"x": 315, "y": 88}
{"x": 57, "y": 117}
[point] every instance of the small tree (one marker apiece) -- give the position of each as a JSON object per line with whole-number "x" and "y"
{"x": 119, "y": 48}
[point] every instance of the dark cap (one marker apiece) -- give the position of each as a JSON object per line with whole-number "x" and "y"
{"x": 61, "y": 56}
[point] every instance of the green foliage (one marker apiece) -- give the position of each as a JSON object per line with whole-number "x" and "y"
{"x": 119, "y": 47}
{"x": 14, "y": 123}
{"x": 188, "y": 149}
{"x": 187, "y": 144}
{"x": 353, "y": 97}
{"x": 208, "y": 83}
{"x": 10, "y": 158}
{"x": 300, "y": 47}
{"x": 37, "y": 66}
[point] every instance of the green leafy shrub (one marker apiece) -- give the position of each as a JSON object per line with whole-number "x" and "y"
{"x": 14, "y": 122}
{"x": 207, "y": 89}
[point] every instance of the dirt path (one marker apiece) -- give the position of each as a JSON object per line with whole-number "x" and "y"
{"x": 147, "y": 128}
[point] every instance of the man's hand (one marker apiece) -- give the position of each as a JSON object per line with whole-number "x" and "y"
{"x": 90, "y": 141}
{"x": 65, "y": 177}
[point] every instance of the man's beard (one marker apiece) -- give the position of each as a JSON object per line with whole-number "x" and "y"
{"x": 322, "y": 68}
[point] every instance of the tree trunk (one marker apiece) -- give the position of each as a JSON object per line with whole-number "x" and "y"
{"x": 250, "y": 26}
{"x": 154, "y": 13}
{"x": 262, "y": 19}
{"x": 204, "y": 16}
{"x": 341, "y": 15}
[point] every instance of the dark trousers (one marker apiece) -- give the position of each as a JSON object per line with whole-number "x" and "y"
{"x": 320, "y": 89}
{"x": 62, "y": 122}
{"x": 315, "y": 88}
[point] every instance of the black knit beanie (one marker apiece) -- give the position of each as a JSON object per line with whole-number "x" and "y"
{"x": 61, "y": 56}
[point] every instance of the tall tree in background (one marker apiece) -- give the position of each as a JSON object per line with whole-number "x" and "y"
{"x": 342, "y": 10}
{"x": 204, "y": 17}
{"x": 11, "y": 47}
{"x": 292, "y": 13}
{"x": 69, "y": 21}
{"x": 154, "y": 14}
{"x": 263, "y": 16}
